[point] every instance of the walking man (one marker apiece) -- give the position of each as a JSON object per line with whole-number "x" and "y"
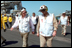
{"x": 64, "y": 20}
{"x": 5, "y": 20}
{"x": 10, "y": 21}
{"x": 3, "y": 27}
{"x": 24, "y": 22}
{"x": 46, "y": 27}
{"x": 34, "y": 21}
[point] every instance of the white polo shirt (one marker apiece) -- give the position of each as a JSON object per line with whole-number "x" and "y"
{"x": 46, "y": 25}
{"x": 34, "y": 20}
{"x": 24, "y": 24}
{"x": 63, "y": 20}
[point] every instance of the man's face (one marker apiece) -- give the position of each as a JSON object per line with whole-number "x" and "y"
{"x": 4, "y": 15}
{"x": 33, "y": 14}
{"x": 24, "y": 13}
{"x": 43, "y": 11}
{"x": 17, "y": 15}
{"x": 63, "y": 14}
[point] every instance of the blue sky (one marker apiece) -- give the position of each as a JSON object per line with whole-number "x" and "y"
{"x": 55, "y": 7}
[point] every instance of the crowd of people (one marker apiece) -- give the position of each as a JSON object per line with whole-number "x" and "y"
{"x": 45, "y": 25}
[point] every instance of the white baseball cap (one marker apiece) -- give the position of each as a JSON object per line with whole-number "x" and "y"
{"x": 64, "y": 12}
{"x": 43, "y": 7}
{"x": 23, "y": 9}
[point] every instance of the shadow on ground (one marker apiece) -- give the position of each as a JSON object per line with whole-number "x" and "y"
{"x": 67, "y": 33}
{"x": 8, "y": 43}
{"x": 34, "y": 46}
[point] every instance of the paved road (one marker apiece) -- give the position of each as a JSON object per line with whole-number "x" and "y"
{"x": 14, "y": 39}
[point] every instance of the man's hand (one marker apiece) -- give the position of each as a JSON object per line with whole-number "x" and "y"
{"x": 38, "y": 34}
{"x": 33, "y": 32}
{"x": 11, "y": 29}
{"x": 59, "y": 22}
{"x": 4, "y": 30}
{"x": 54, "y": 34}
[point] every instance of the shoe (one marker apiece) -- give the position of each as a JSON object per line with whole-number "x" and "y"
{"x": 4, "y": 41}
{"x": 64, "y": 35}
{"x": 4, "y": 30}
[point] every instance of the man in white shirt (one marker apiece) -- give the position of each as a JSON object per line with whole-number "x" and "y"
{"x": 46, "y": 27}
{"x": 24, "y": 22}
{"x": 64, "y": 20}
{"x": 34, "y": 21}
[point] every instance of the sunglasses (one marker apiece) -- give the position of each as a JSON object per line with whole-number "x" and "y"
{"x": 42, "y": 10}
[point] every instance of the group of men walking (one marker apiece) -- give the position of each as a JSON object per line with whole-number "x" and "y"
{"x": 46, "y": 27}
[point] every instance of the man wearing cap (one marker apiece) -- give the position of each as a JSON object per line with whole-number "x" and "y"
{"x": 64, "y": 20}
{"x": 5, "y": 20}
{"x": 34, "y": 20}
{"x": 24, "y": 22}
{"x": 46, "y": 27}
{"x": 10, "y": 20}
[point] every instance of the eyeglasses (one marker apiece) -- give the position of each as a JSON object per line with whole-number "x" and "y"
{"x": 24, "y": 12}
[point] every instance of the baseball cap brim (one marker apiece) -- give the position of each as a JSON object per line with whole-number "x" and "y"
{"x": 42, "y": 10}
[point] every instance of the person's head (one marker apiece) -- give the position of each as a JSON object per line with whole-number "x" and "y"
{"x": 10, "y": 15}
{"x": 63, "y": 14}
{"x": 43, "y": 9}
{"x": 23, "y": 12}
{"x": 4, "y": 14}
{"x": 33, "y": 14}
{"x": 1, "y": 13}
{"x": 17, "y": 15}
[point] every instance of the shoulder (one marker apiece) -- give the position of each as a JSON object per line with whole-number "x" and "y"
{"x": 40, "y": 16}
{"x": 61, "y": 16}
{"x": 50, "y": 14}
{"x": 66, "y": 16}
{"x": 19, "y": 17}
{"x": 28, "y": 17}
{"x": 31, "y": 16}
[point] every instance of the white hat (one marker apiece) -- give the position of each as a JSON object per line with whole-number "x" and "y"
{"x": 23, "y": 9}
{"x": 64, "y": 12}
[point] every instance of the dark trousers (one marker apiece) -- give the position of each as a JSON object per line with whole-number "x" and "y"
{"x": 6, "y": 24}
{"x": 10, "y": 24}
{"x": 35, "y": 27}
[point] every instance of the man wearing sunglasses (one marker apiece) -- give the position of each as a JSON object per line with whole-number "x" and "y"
{"x": 46, "y": 27}
{"x": 24, "y": 22}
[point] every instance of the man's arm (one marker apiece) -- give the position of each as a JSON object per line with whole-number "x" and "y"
{"x": 3, "y": 24}
{"x": 59, "y": 20}
{"x": 55, "y": 24}
{"x": 31, "y": 24}
{"x": 15, "y": 24}
{"x": 68, "y": 21}
{"x": 38, "y": 26}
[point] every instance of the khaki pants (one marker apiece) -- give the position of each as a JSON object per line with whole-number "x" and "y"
{"x": 44, "y": 40}
{"x": 2, "y": 38}
{"x": 25, "y": 39}
{"x": 63, "y": 28}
